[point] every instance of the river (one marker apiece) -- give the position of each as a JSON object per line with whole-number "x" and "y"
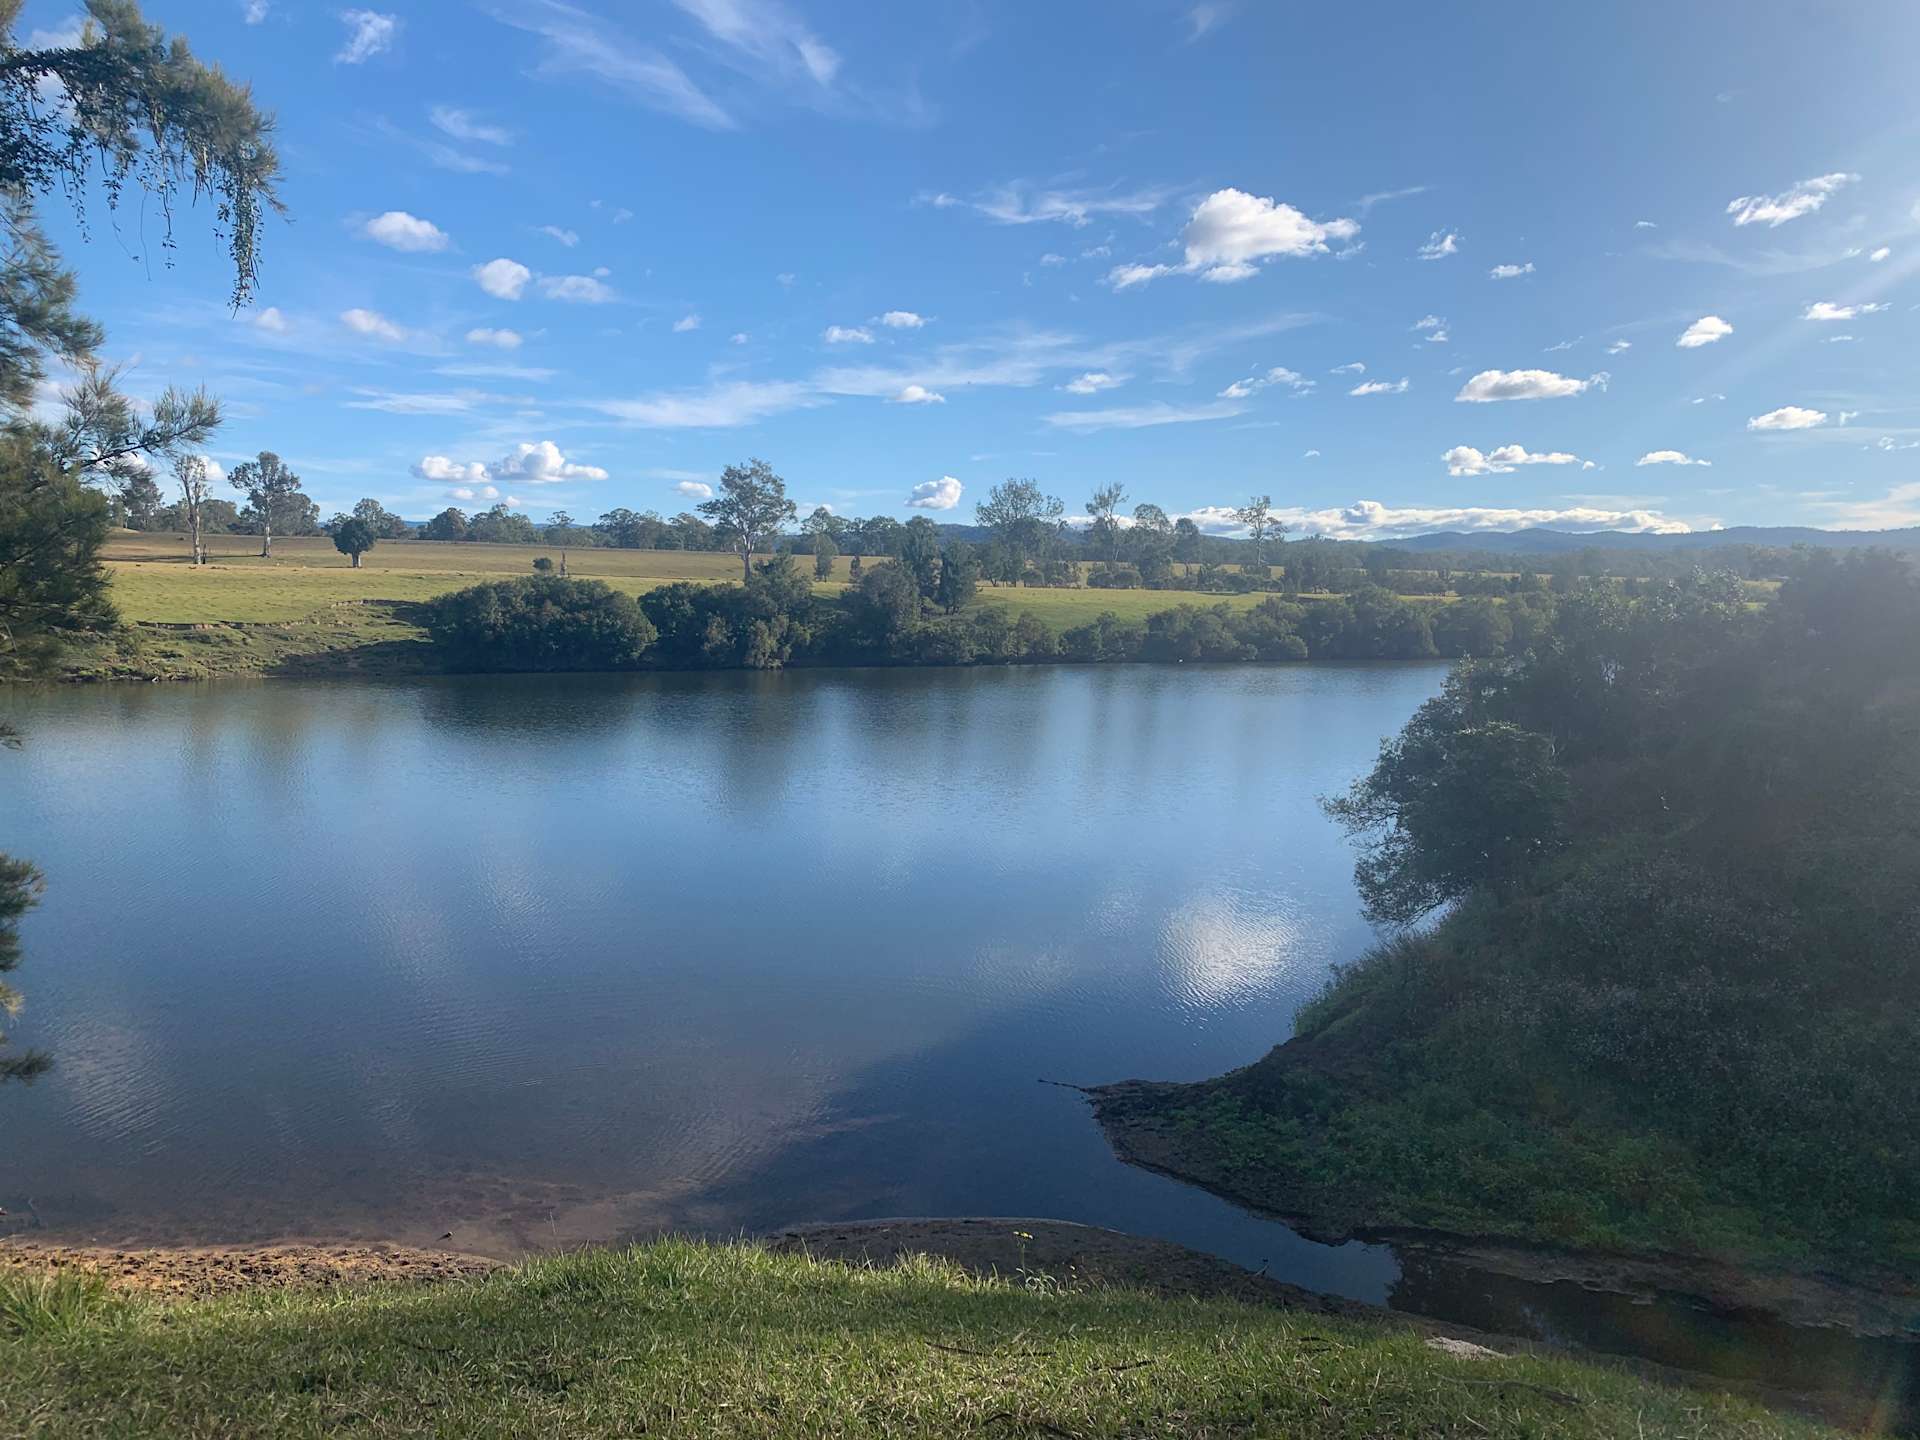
{"x": 547, "y": 960}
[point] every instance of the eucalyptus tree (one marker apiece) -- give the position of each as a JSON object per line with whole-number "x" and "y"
{"x": 190, "y": 471}
{"x": 270, "y": 486}
{"x": 749, "y": 510}
{"x": 1103, "y": 514}
{"x": 1023, "y": 520}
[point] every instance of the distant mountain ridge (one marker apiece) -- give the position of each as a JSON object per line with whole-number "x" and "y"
{"x": 1558, "y": 542}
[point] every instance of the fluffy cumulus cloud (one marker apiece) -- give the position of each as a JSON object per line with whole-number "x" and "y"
{"x": 1278, "y": 375}
{"x": 1091, "y": 383}
{"x": 503, "y": 279}
{"x": 497, "y": 339}
{"x": 1510, "y": 272}
{"x": 538, "y": 463}
{"x": 1491, "y": 385}
{"x": 368, "y": 33}
{"x": 1788, "y": 417}
{"x": 1231, "y": 233}
{"x": 398, "y": 230}
{"x": 271, "y": 320}
{"x": 1381, "y": 387}
{"x": 1828, "y": 310}
{"x": 902, "y": 320}
{"x": 1465, "y": 460}
{"x": 918, "y": 395}
{"x": 1372, "y": 520}
{"x": 371, "y": 322}
{"x": 941, "y": 494}
{"x": 1802, "y": 199}
{"x": 1704, "y": 331}
{"x": 1440, "y": 245}
{"x": 847, "y": 335}
{"x": 694, "y": 489}
{"x": 1882, "y": 253}
{"x": 1669, "y": 457}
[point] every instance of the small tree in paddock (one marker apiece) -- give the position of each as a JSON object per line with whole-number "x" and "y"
{"x": 542, "y": 565}
{"x": 353, "y": 537}
{"x": 823, "y": 552}
{"x": 268, "y": 485}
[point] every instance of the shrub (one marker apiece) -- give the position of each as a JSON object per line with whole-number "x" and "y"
{"x": 540, "y": 623}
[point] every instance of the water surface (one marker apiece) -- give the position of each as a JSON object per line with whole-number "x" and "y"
{"x": 544, "y": 960}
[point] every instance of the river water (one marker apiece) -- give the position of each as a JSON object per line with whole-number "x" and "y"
{"x": 541, "y": 960}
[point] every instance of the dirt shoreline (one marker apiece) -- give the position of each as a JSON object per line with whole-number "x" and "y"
{"x": 1877, "y": 1307}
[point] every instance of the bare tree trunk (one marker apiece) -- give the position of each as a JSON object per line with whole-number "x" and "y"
{"x": 746, "y": 561}
{"x": 356, "y": 562}
{"x": 266, "y": 537}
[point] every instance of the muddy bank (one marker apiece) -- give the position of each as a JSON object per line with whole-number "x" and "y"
{"x": 201, "y": 1270}
{"x": 1882, "y": 1305}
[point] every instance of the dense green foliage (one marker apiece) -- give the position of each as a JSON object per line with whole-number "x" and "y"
{"x": 1677, "y": 999}
{"x": 542, "y": 622}
{"x": 681, "y": 1339}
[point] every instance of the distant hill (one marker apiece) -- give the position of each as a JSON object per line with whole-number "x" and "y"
{"x": 1556, "y": 542}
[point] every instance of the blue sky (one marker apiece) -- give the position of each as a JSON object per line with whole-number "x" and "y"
{"x": 584, "y": 256}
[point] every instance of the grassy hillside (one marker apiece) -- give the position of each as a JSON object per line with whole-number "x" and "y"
{"x": 676, "y": 1338}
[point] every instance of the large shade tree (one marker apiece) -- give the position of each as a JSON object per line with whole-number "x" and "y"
{"x": 749, "y": 510}
{"x": 120, "y": 107}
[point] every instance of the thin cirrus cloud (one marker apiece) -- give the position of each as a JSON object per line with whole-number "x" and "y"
{"x": 1798, "y": 200}
{"x": 1092, "y": 383}
{"x": 397, "y": 230}
{"x": 497, "y": 339}
{"x": 1504, "y": 459}
{"x": 847, "y": 335}
{"x": 1020, "y": 202}
{"x": 1494, "y": 385}
{"x": 568, "y": 238}
{"x": 1140, "y": 417}
{"x": 463, "y": 125}
{"x": 1669, "y": 457}
{"x": 687, "y": 324}
{"x": 368, "y": 34}
{"x": 1704, "y": 331}
{"x": 1788, "y": 417}
{"x": 577, "y": 43}
{"x": 1278, "y": 375}
{"x": 576, "y": 289}
{"x": 1372, "y": 520}
{"x": 941, "y": 494}
{"x": 1232, "y": 233}
{"x": 1381, "y": 387}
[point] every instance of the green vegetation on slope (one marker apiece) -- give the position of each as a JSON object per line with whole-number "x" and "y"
{"x": 676, "y": 1338}
{"x": 1673, "y": 1005}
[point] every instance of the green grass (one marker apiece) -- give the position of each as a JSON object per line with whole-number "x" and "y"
{"x": 681, "y": 1339}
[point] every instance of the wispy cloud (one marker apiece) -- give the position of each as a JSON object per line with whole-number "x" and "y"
{"x": 1801, "y": 199}
{"x": 368, "y": 34}
{"x": 1139, "y": 417}
{"x": 1023, "y": 202}
{"x": 578, "y": 43}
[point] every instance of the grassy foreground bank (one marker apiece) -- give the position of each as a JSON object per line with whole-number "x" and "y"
{"x": 678, "y": 1338}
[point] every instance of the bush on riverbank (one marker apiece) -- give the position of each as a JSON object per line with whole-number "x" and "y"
{"x": 677, "y": 1338}
{"x": 540, "y": 623}
{"x": 1677, "y": 1003}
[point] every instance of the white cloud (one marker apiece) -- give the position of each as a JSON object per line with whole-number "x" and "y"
{"x": 1139, "y": 417}
{"x": 718, "y": 407}
{"x": 918, "y": 395}
{"x": 847, "y": 335}
{"x": 1669, "y": 457}
{"x": 441, "y": 469}
{"x": 1803, "y": 199}
{"x": 739, "y": 337}
{"x": 1827, "y": 310}
{"x": 498, "y": 339}
{"x": 1619, "y": 347}
{"x": 538, "y": 463}
{"x": 1491, "y": 385}
{"x": 1704, "y": 331}
{"x": 1882, "y": 253}
{"x": 368, "y": 33}
{"x": 1440, "y": 244}
{"x": 1465, "y": 460}
{"x": 1510, "y": 272}
{"x": 1207, "y": 17}
{"x": 1847, "y": 415}
{"x": 1429, "y": 322}
{"x": 941, "y": 494}
{"x": 463, "y": 126}
{"x": 1371, "y": 520}
{"x": 1052, "y": 259}
{"x": 1788, "y": 417}
{"x": 902, "y": 320}
{"x": 398, "y": 230}
{"x": 769, "y": 36}
{"x": 1352, "y": 367}
{"x": 1278, "y": 375}
{"x": 568, "y": 238}
{"x": 271, "y": 319}
{"x": 579, "y": 289}
{"x": 1645, "y": 225}
{"x": 1311, "y": 455}
{"x": 253, "y": 12}
{"x": 687, "y": 324}
{"x": 371, "y": 322}
{"x": 1230, "y": 231}
{"x": 503, "y": 279}
{"x": 1092, "y": 383}
{"x": 695, "y": 489}
{"x": 578, "y": 42}
{"x": 1020, "y": 203}
{"x": 1381, "y": 387}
